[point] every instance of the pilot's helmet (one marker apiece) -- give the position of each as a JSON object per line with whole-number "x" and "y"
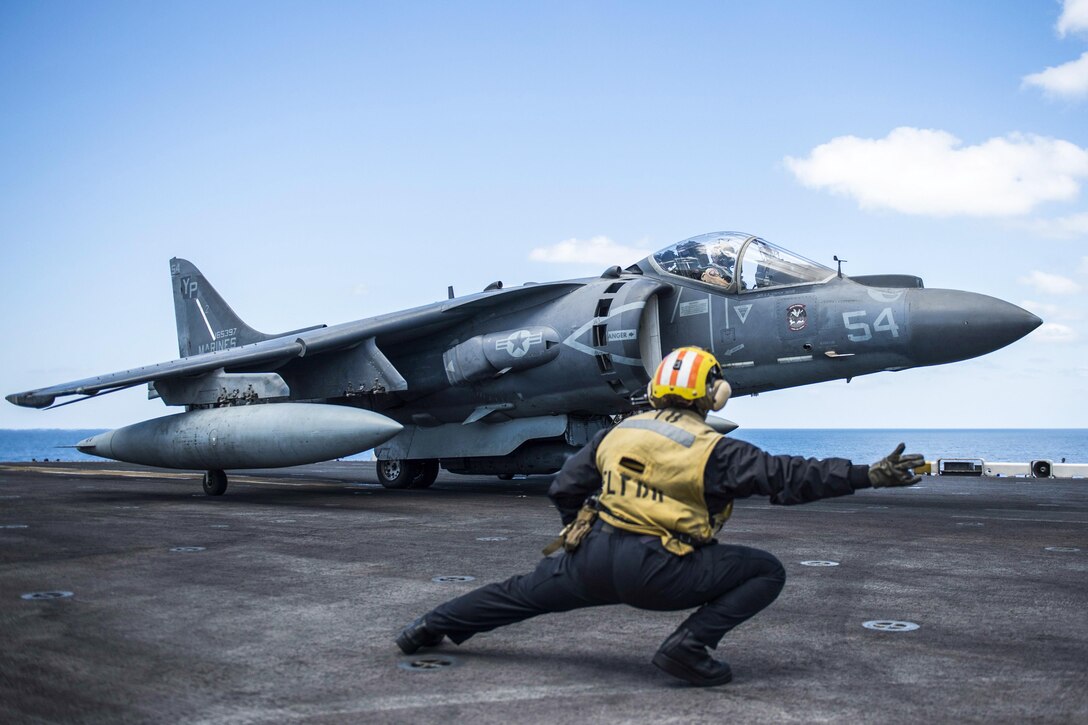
{"x": 689, "y": 377}
{"x": 723, "y": 255}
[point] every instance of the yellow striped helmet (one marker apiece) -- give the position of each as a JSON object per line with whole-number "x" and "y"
{"x": 689, "y": 376}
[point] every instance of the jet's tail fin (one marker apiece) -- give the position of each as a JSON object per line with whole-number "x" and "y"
{"x": 205, "y": 321}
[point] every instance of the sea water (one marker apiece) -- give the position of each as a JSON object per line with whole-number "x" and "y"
{"x": 858, "y": 445}
{"x": 865, "y": 446}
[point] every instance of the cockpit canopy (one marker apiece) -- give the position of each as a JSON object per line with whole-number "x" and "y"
{"x": 738, "y": 262}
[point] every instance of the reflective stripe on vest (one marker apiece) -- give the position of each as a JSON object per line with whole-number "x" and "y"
{"x": 670, "y": 431}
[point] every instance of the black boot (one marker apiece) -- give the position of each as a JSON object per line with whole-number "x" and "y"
{"x": 416, "y": 635}
{"x": 683, "y": 656}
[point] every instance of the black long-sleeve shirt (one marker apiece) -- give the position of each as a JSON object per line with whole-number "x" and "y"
{"x": 736, "y": 469}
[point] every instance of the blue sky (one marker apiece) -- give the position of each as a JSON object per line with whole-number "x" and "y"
{"x": 326, "y": 161}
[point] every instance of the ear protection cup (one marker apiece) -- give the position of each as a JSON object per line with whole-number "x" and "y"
{"x": 719, "y": 394}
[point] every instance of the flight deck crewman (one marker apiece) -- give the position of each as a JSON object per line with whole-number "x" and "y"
{"x": 641, "y": 504}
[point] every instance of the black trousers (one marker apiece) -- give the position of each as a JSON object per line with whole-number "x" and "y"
{"x": 728, "y": 584}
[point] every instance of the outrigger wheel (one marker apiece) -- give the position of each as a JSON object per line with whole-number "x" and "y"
{"x": 400, "y": 473}
{"x": 215, "y": 483}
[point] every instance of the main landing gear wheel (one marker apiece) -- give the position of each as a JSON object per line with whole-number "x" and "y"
{"x": 215, "y": 483}
{"x": 428, "y": 472}
{"x": 399, "y": 473}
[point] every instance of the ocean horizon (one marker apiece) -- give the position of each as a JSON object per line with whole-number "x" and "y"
{"x": 861, "y": 445}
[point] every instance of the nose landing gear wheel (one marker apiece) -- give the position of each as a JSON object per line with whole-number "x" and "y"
{"x": 215, "y": 483}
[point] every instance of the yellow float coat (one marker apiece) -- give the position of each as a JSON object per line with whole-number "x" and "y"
{"x": 652, "y": 469}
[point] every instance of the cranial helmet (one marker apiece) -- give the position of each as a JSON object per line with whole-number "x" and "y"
{"x": 689, "y": 377}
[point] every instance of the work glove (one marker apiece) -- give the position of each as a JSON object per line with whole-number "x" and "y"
{"x": 895, "y": 469}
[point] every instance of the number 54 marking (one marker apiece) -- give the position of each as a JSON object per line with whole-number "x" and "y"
{"x": 860, "y": 330}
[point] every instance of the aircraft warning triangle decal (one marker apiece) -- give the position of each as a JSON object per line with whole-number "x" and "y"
{"x": 742, "y": 312}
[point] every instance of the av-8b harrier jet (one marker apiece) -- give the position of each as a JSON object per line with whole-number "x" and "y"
{"x": 514, "y": 380}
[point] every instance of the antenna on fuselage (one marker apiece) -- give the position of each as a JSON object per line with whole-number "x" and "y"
{"x": 840, "y": 261}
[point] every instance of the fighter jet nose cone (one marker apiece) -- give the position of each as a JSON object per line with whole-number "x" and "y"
{"x": 949, "y": 325}
{"x": 1030, "y": 323}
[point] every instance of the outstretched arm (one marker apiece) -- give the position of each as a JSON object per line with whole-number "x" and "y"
{"x": 737, "y": 469}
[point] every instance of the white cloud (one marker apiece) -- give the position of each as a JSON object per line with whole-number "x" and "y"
{"x": 598, "y": 250}
{"x": 1066, "y": 227}
{"x": 1048, "y": 311}
{"x": 926, "y": 171}
{"x": 1069, "y": 80}
{"x": 1074, "y": 17}
{"x": 1053, "y": 284}
{"x": 1053, "y": 332}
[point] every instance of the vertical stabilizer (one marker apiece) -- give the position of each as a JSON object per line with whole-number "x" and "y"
{"x": 205, "y": 322}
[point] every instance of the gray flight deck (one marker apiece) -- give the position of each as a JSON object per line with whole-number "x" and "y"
{"x": 287, "y": 612}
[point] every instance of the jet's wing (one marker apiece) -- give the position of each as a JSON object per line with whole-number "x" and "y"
{"x": 271, "y": 354}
